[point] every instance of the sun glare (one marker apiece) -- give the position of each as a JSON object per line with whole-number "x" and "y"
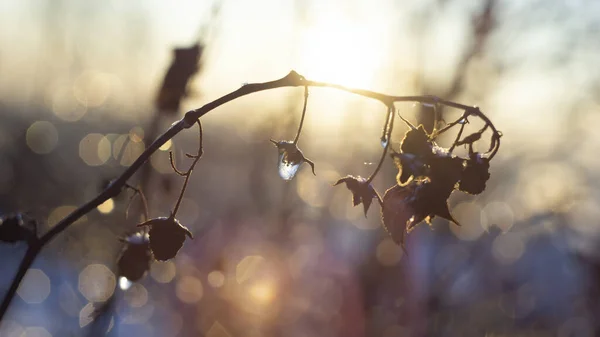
{"x": 341, "y": 52}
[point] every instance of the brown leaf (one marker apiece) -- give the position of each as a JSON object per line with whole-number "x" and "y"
{"x": 362, "y": 191}
{"x": 397, "y": 211}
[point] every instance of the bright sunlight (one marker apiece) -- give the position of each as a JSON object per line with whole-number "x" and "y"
{"x": 337, "y": 50}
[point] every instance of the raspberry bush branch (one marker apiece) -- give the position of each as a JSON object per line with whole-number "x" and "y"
{"x": 362, "y": 189}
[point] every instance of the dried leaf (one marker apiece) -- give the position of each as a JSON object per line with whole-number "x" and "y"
{"x": 416, "y": 142}
{"x": 166, "y": 237}
{"x": 136, "y": 256}
{"x": 397, "y": 211}
{"x": 17, "y": 227}
{"x": 475, "y": 174}
{"x": 362, "y": 191}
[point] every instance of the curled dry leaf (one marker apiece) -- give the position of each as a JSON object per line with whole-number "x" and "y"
{"x": 417, "y": 142}
{"x": 136, "y": 256}
{"x": 17, "y": 227}
{"x": 397, "y": 211}
{"x": 409, "y": 165}
{"x": 475, "y": 174}
{"x": 362, "y": 191}
{"x": 404, "y": 207}
{"x": 290, "y": 159}
{"x": 166, "y": 237}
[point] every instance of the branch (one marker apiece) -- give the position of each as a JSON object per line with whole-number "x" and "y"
{"x": 293, "y": 79}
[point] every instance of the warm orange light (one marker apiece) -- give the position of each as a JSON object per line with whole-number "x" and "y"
{"x": 263, "y": 292}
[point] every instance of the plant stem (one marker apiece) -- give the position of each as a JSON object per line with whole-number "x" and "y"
{"x": 303, "y": 114}
{"x": 27, "y": 261}
{"x": 293, "y": 79}
{"x": 389, "y": 124}
{"x": 188, "y": 173}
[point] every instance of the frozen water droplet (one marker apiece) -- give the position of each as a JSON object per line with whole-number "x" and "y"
{"x": 384, "y": 141}
{"x": 137, "y": 238}
{"x": 368, "y": 163}
{"x": 428, "y": 105}
{"x": 124, "y": 283}
{"x": 463, "y": 121}
{"x": 288, "y": 170}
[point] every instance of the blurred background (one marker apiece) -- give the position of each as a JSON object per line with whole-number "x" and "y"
{"x": 86, "y": 85}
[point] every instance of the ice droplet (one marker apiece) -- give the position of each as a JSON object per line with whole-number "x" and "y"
{"x": 428, "y": 105}
{"x": 463, "y": 121}
{"x": 384, "y": 141}
{"x": 124, "y": 283}
{"x": 287, "y": 170}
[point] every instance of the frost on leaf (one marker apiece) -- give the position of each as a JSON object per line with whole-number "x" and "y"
{"x": 362, "y": 191}
{"x": 290, "y": 159}
{"x": 136, "y": 256}
{"x": 166, "y": 237}
{"x": 475, "y": 174}
{"x": 17, "y": 227}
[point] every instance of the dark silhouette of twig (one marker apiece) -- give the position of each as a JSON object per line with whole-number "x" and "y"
{"x": 293, "y": 79}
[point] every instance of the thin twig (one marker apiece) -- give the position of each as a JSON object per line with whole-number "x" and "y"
{"x": 139, "y": 192}
{"x": 390, "y": 125}
{"x": 181, "y": 173}
{"x": 293, "y": 79}
{"x": 303, "y": 114}
{"x": 188, "y": 173}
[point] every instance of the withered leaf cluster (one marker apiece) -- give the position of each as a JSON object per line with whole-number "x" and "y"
{"x": 427, "y": 175}
{"x": 162, "y": 241}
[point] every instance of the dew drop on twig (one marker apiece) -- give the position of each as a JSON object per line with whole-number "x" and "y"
{"x": 124, "y": 283}
{"x": 384, "y": 141}
{"x": 287, "y": 170}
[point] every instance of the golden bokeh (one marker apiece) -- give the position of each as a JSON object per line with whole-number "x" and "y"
{"x": 216, "y": 278}
{"x": 189, "y": 289}
{"x": 60, "y": 213}
{"x": 263, "y": 292}
{"x": 166, "y": 146}
{"x": 163, "y": 272}
{"x": 106, "y": 207}
{"x": 64, "y": 104}
{"x": 95, "y": 149}
{"x": 388, "y": 253}
{"x": 508, "y": 247}
{"x": 91, "y": 88}
{"x": 136, "y": 296}
{"x": 35, "y": 287}
{"x": 248, "y": 268}
{"x": 97, "y": 282}
{"x": 469, "y": 215}
{"x": 42, "y": 137}
{"x": 136, "y": 134}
